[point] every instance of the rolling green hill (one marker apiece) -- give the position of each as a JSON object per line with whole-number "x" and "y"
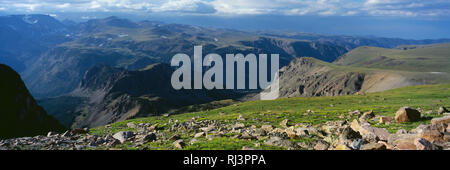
{"x": 426, "y": 58}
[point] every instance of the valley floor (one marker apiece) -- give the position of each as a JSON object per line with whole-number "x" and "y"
{"x": 341, "y": 122}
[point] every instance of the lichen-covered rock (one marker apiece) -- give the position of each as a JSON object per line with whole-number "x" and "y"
{"x": 179, "y": 144}
{"x": 123, "y": 136}
{"x": 386, "y": 119}
{"x": 442, "y": 120}
{"x": 285, "y": 123}
{"x": 321, "y": 145}
{"x": 369, "y": 133}
{"x": 277, "y": 141}
{"x": 367, "y": 115}
{"x": 407, "y": 114}
{"x": 374, "y": 146}
{"x": 432, "y": 133}
{"x": 423, "y": 144}
{"x": 442, "y": 110}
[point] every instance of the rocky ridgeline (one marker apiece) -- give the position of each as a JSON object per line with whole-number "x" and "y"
{"x": 358, "y": 134}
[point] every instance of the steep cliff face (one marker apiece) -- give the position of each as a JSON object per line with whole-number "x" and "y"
{"x": 306, "y": 77}
{"x": 20, "y": 114}
{"x": 310, "y": 77}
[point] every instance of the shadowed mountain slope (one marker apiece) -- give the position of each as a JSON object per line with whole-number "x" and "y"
{"x": 21, "y": 115}
{"x": 106, "y": 95}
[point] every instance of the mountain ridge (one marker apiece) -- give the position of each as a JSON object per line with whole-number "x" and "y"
{"x": 21, "y": 115}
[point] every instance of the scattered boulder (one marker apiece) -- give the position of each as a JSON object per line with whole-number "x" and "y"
{"x": 357, "y": 144}
{"x": 442, "y": 110}
{"x": 131, "y": 125}
{"x": 423, "y": 144}
{"x": 179, "y": 144}
{"x": 267, "y": 128}
{"x": 175, "y": 137}
{"x": 247, "y": 136}
{"x": 356, "y": 112}
{"x": 442, "y": 120}
{"x": 432, "y": 133}
{"x": 49, "y": 134}
{"x": 369, "y": 133}
{"x": 291, "y": 132}
{"x": 238, "y": 126}
{"x": 407, "y": 114}
{"x": 247, "y": 148}
{"x": 241, "y": 118}
{"x": 447, "y": 136}
{"x": 349, "y": 134}
{"x": 259, "y": 133}
{"x": 403, "y": 141}
{"x": 429, "y": 112}
{"x": 388, "y": 147}
{"x": 342, "y": 147}
{"x": 277, "y": 141}
{"x": 374, "y": 146}
{"x": 301, "y": 132}
{"x": 123, "y": 136}
{"x": 386, "y": 119}
{"x": 401, "y": 131}
{"x": 79, "y": 131}
{"x": 207, "y": 129}
{"x": 285, "y": 123}
{"x": 66, "y": 134}
{"x": 367, "y": 115}
{"x": 321, "y": 145}
{"x": 197, "y": 135}
{"x": 152, "y": 127}
{"x": 337, "y": 135}
{"x": 149, "y": 137}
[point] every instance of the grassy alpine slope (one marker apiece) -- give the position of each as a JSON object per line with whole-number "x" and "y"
{"x": 258, "y": 113}
{"x": 419, "y": 58}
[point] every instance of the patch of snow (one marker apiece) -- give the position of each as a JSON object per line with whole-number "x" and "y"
{"x": 122, "y": 35}
{"x": 28, "y": 19}
{"x": 12, "y": 27}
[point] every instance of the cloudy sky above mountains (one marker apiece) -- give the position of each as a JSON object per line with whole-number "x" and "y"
{"x": 438, "y": 8}
{"x": 416, "y": 19}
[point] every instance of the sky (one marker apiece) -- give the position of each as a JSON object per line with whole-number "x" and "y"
{"x": 415, "y": 19}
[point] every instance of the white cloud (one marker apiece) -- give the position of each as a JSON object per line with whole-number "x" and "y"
{"x": 187, "y": 6}
{"x": 238, "y": 7}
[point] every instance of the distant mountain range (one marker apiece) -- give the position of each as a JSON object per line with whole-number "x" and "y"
{"x": 52, "y": 56}
{"x": 106, "y": 95}
{"x": 106, "y": 70}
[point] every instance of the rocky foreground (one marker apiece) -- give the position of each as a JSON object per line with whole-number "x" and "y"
{"x": 357, "y": 134}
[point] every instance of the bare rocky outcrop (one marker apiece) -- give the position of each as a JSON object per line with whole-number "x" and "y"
{"x": 306, "y": 77}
